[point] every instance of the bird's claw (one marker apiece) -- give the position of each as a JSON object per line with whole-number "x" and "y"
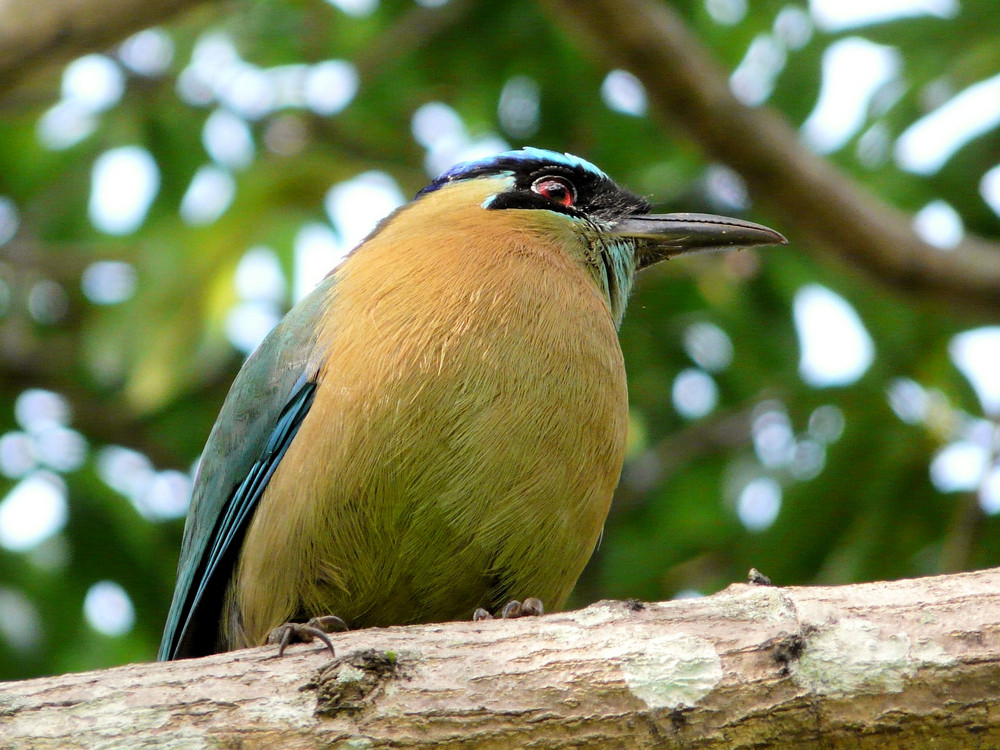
{"x": 530, "y": 607}
{"x": 306, "y": 632}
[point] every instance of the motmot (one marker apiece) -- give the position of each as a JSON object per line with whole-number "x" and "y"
{"x": 439, "y": 426}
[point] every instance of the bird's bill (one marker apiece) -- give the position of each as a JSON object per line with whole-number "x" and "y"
{"x": 661, "y": 236}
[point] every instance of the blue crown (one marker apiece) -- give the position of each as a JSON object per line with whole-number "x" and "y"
{"x": 509, "y": 162}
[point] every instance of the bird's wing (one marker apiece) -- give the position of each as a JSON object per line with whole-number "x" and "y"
{"x": 258, "y": 421}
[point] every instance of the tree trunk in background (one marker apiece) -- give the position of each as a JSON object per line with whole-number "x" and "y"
{"x": 808, "y": 197}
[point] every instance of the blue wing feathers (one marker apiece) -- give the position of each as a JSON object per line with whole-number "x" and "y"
{"x": 198, "y": 633}
{"x": 268, "y": 400}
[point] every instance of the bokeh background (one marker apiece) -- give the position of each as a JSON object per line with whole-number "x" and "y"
{"x": 171, "y": 183}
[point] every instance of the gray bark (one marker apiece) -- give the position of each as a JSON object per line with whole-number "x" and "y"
{"x": 905, "y": 664}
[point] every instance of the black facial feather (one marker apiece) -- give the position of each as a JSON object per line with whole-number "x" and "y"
{"x": 597, "y": 195}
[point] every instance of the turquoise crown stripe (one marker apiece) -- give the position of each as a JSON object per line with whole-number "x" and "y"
{"x": 505, "y": 162}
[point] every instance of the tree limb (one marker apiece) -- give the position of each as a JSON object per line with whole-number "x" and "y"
{"x": 804, "y": 191}
{"x": 33, "y": 33}
{"x": 882, "y": 665}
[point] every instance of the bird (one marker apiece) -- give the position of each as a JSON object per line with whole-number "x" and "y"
{"x": 437, "y": 428}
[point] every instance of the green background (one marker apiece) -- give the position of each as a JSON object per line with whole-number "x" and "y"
{"x": 149, "y": 373}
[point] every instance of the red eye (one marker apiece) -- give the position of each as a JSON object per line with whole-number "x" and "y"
{"x": 556, "y": 189}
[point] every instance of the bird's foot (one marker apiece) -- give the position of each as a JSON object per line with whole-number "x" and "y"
{"x": 530, "y": 607}
{"x": 306, "y": 632}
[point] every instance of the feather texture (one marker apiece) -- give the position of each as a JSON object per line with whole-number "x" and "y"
{"x": 261, "y": 393}
{"x": 466, "y": 434}
{"x": 440, "y": 425}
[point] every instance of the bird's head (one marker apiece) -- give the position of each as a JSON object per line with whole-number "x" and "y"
{"x": 609, "y": 229}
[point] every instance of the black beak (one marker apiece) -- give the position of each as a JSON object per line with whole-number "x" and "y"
{"x": 662, "y": 236}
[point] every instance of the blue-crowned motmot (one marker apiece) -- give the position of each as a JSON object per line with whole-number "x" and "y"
{"x": 440, "y": 424}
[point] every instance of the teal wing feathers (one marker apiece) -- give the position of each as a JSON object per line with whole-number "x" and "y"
{"x": 258, "y": 421}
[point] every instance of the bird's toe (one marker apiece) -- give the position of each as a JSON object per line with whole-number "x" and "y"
{"x": 530, "y": 607}
{"x": 306, "y": 632}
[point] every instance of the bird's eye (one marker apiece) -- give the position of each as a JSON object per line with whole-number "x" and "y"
{"x": 556, "y": 189}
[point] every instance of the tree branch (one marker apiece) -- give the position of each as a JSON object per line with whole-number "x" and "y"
{"x": 880, "y": 665}
{"x": 33, "y": 35}
{"x": 807, "y": 195}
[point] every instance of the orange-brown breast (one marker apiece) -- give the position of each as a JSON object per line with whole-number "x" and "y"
{"x": 466, "y": 436}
